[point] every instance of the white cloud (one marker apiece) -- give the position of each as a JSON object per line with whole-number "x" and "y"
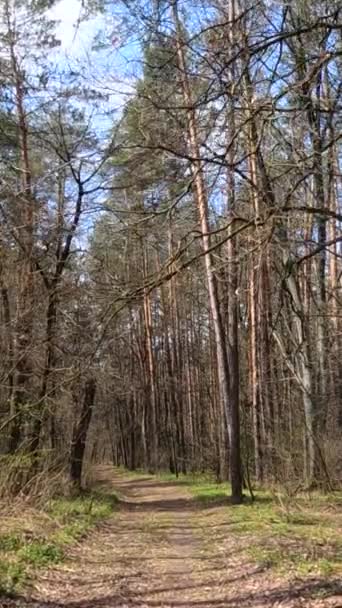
{"x": 107, "y": 67}
{"x": 75, "y": 35}
{"x": 68, "y": 13}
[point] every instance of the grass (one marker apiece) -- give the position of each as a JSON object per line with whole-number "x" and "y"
{"x": 35, "y": 540}
{"x": 300, "y": 535}
{"x": 206, "y": 491}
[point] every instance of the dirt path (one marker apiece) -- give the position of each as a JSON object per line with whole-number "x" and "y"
{"x": 162, "y": 551}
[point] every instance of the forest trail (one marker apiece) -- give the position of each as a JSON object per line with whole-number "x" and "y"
{"x": 163, "y": 550}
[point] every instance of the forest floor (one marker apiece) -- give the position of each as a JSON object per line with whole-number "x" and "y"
{"x": 165, "y": 547}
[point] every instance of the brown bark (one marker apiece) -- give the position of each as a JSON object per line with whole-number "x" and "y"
{"x": 25, "y": 298}
{"x": 152, "y": 389}
{"x": 80, "y": 433}
{"x": 202, "y": 203}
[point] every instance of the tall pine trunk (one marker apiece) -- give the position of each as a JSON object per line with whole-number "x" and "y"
{"x": 203, "y": 212}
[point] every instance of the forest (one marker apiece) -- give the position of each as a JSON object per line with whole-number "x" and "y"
{"x": 170, "y": 244}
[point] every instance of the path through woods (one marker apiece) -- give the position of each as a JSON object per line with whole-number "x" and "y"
{"x": 163, "y": 550}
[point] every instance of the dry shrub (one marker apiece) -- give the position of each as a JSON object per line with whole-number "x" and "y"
{"x": 333, "y": 459}
{"x": 34, "y": 481}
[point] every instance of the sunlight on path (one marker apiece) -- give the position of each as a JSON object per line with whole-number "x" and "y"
{"x": 159, "y": 551}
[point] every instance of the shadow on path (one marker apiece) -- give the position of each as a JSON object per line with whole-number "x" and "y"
{"x": 305, "y": 591}
{"x": 159, "y": 551}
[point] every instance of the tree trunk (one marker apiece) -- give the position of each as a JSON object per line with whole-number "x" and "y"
{"x": 202, "y": 204}
{"x": 25, "y": 303}
{"x": 80, "y": 433}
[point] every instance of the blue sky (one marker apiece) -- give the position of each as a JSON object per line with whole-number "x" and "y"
{"x": 110, "y": 70}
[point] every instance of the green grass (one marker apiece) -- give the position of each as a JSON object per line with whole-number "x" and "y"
{"x": 39, "y": 554}
{"x": 127, "y": 474}
{"x": 295, "y": 558}
{"x": 206, "y": 491}
{"x": 12, "y": 576}
{"x": 63, "y": 522}
{"x": 301, "y": 535}
{"x": 10, "y": 542}
{"x": 194, "y": 480}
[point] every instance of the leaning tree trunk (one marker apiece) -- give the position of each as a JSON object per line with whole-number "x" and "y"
{"x": 80, "y": 433}
{"x": 62, "y": 256}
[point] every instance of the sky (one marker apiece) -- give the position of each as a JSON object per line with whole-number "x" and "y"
{"x": 108, "y": 68}
{"x": 68, "y": 13}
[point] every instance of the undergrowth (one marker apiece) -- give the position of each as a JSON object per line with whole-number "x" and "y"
{"x": 34, "y": 539}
